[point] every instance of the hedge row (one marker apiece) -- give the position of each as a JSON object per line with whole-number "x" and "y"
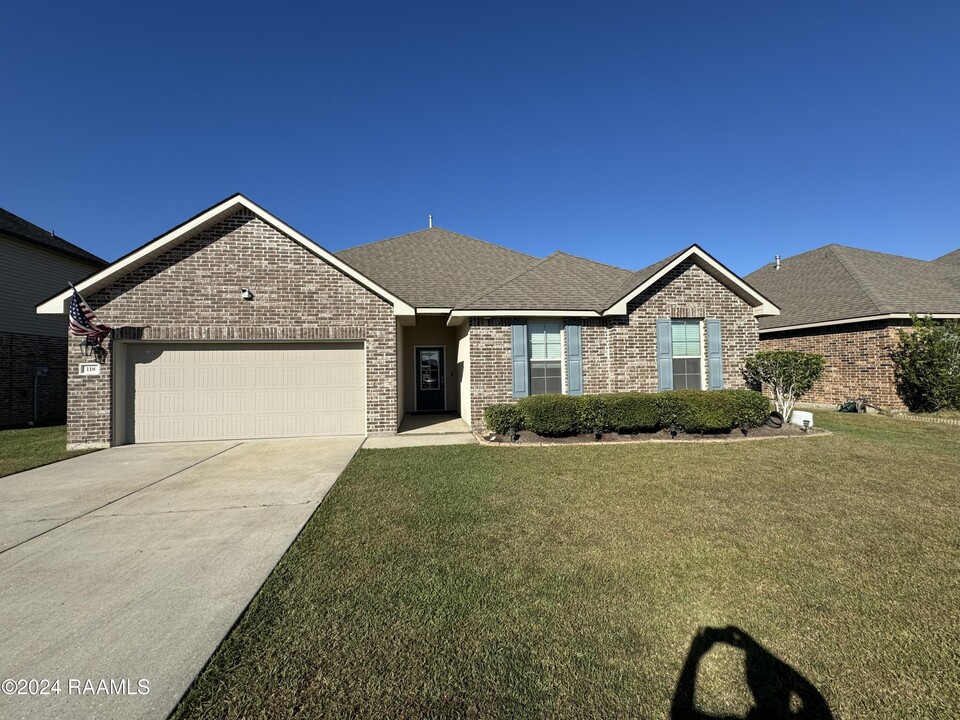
{"x": 695, "y": 411}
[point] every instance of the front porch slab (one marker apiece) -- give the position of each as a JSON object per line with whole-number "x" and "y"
{"x": 432, "y": 424}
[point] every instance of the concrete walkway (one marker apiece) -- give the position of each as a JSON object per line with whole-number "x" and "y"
{"x": 129, "y": 566}
{"x": 422, "y": 430}
{"x": 434, "y": 424}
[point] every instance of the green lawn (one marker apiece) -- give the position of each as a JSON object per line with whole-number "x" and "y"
{"x": 569, "y": 582}
{"x": 24, "y": 449}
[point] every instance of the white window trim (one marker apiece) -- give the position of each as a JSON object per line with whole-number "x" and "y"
{"x": 564, "y": 390}
{"x": 703, "y": 345}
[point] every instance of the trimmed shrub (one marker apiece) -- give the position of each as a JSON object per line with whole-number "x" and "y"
{"x": 696, "y": 411}
{"x": 631, "y": 412}
{"x": 501, "y": 417}
{"x": 693, "y": 411}
{"x": 749, "y": 406}
{"x": 927, "y": 365}
{"x": 550, "y": 415}
{"x": 593, "y": 414}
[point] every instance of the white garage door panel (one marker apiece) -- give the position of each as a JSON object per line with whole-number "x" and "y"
{"x": 224, "y": 391}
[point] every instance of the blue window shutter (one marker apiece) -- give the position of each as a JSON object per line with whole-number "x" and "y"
{"x": 714, "y": 355}
{"x": 664, "y": 355}
{"x": 574, "y": 359}
{"x": 520, "y": 356}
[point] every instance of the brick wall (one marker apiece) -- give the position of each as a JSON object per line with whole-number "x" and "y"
{"x": 20, "y": 355}
{"x": 595, "y": 357}
{"x": 192, "y": 292}
{"x": 619, "y": 353}
{"x": 491, "y": 371}
{"x": 857, "y": 360}
{"x": 685, "y": 292}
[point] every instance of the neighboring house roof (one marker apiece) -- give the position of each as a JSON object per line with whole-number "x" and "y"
{"x": 836, "y": 284}
{"x": 16, "y": 227}
{"x": 435, "y": 267}
{"x": 558, "y": 282}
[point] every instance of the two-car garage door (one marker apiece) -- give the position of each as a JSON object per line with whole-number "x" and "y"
{"x": 219, "y": 391}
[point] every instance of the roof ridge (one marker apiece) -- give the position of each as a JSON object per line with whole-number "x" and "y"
{"x": 510, "y": 279}
{"x": 20, "y": 228}
{"x": 594, "y": 262}
{"x": 855, "y": 276}
{"x": 859, "y": 249}
{"x": 436, "y": 227}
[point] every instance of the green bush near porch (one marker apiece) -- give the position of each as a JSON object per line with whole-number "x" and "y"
{"x": 695, "y": 411}
{"x": 550, "y": 415}
{"x": 501, "y": 417}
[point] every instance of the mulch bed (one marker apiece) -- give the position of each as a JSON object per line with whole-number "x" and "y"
{"x": 761, "y": 433}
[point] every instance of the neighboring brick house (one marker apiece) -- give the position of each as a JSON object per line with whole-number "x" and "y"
{"x": 234, "y": 325}
{"x": 34, "y": 264}
{"x": 848, "y": 305}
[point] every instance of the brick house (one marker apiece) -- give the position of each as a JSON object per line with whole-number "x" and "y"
{"x": 848, "y": 305}
{"x": 235, "y": 325}
{"x": 33, "y": 372}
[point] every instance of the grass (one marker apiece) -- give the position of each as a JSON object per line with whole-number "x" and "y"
{"x": 949, "y": 414}
{"x": 569, "y": 582}
{"x": 25, "y": 449}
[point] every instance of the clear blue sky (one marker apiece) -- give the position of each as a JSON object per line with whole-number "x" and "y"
{"x": 620, "y": 131}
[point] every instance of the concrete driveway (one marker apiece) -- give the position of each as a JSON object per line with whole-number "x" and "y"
{"x": 127, "y": 567}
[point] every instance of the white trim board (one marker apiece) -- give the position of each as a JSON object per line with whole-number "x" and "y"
{"x": 57, "y": 305}
{"x": 761, "y": 306}
{"x": 861, "y": 319}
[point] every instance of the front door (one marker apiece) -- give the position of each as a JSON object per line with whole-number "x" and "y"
{"x": 429, "y": 379}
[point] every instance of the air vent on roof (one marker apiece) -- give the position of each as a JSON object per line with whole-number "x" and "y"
{"x": 778, "y": 263}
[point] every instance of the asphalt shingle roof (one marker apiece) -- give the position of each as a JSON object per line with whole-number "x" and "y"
{"x": 436, "y": 267}
{"x": 950, "y": 257}
{"x": 639, "y": 277}
{"x": 558, "y": 282}
{"x": 836, "y": 282}
{"x": 17, "y": 227}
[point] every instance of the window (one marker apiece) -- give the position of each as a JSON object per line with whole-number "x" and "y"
{"x": 545, "y": 358}
{"x": 687, "y": 355}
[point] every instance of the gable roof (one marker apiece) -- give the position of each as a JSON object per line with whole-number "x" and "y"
{"x": 645, "y": 278}
{"x": 16, "y": 227}
{"x": 439, "y": 269}
{"x": 835, "y": 284}
{"x": 436, "y": 270}
{"x": 435, "y": 267}
{"x": 56, "y": 305}
{"x": 558, "y": 282}
{"x": 640, "y": 277}
{"x": 950, "y": 257}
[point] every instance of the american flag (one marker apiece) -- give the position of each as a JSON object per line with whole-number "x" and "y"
{"x": 83, "y": 321}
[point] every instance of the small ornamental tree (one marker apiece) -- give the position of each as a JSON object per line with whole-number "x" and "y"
{"x": 789, "y": 374}
{"x": 927, "y": 365}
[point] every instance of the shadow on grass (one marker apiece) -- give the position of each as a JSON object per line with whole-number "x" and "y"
{"x": 778, "y": 690}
